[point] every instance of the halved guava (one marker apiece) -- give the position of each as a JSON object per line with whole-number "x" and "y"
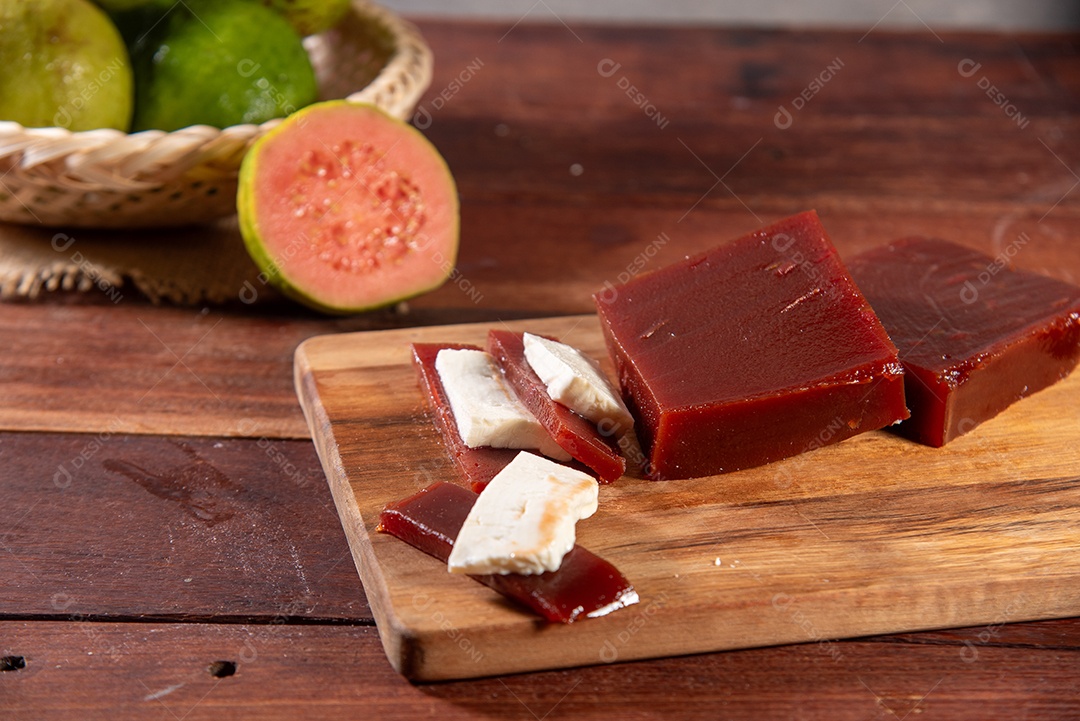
{"x": 347, "y": 209}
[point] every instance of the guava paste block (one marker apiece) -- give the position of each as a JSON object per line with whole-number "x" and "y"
{"x": 750, "y": 352}
{"x": 974, "y": 336}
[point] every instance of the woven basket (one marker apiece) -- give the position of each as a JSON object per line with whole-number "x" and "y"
{"x": 109, "y": 179}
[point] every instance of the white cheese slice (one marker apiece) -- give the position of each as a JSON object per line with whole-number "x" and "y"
{"x": 574, "y": 380}
{"x": 486, "y": 410}
{"x": 524, "y": 520}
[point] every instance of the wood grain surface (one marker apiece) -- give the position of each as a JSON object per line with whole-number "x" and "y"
{"x": 94, "y": 671}
{"x": 897, "y": 143}
{"x": 565, "y": 183}
{"x": 874, "y": 535}
{"x": 114, "y": 526}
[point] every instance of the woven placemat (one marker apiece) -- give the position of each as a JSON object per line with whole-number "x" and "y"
{"x": 186, "y": 266}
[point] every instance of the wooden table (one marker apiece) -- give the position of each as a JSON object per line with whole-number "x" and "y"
{"x": 169, "y": 548}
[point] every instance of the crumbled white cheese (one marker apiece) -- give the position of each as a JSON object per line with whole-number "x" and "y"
{"x": 574, "y": 380}
{"x": 524, "y": 521}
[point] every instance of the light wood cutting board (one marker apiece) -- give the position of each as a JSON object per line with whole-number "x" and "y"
{"x": 873, "y": 535}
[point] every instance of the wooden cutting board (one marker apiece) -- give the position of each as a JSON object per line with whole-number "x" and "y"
{"x": 873, "y": 535}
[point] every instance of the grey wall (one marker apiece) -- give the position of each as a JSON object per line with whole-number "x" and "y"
{"x": 950, "y": 14}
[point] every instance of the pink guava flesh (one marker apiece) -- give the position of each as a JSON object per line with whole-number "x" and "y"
{"x": 349, "y": 209}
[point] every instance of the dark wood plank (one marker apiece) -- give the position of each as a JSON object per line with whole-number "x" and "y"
{"x": 883, "y": 73}
{"x": 110, "y": 525}
{"x": 898, "y": 117}
{"x": 899, "y": 141}
{"x": 92, "y": 670}
{"x": 143, "y": 369}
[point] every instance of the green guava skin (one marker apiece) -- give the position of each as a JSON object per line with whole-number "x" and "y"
{"x": 63, "y": 64}
{"x": 218, "y": 63}
{"x": 278, "y": 276}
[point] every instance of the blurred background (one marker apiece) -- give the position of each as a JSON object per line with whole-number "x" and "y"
{"x": 959, "y": 14}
